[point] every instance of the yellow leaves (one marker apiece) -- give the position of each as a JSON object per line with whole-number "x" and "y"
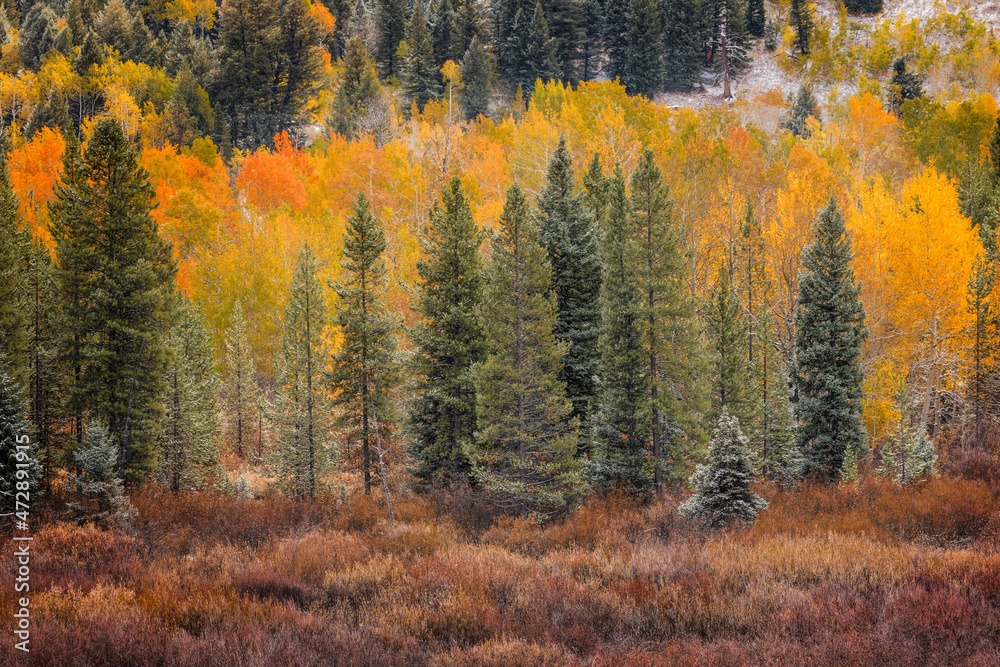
{"x": 119, "y": 105}
{"x": 200, "y": 12}
{"x": 452, "y": 74}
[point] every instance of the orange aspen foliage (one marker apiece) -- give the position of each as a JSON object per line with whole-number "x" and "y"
{"x": 34, "y": 170}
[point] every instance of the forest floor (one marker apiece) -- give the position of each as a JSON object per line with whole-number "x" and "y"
{"x": 873, "y": 574}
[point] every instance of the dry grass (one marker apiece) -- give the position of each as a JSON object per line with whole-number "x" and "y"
{"x": 871, "y": 575}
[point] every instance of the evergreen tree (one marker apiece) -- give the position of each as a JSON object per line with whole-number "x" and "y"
{"x": 533, "y": 52}
{"x": 15, "y": 246}
{"x": 239, "y": 388}
{"x": 616, "y": 37}
{"x": 390, "y": 22}
{"x": 38, "y": 34}
{"x": 591, "y": 38}
{"x": 564, "y": 18}
{"x": 722, "y": 494}
{"x": 849, "y": 471}
{"x": 908, "y": 455}
{"x": 756, "y": 18}
{"x": 443, "y": 22}
{"x": 477, "y": 73}
{"x": 365, "y": 371}
{"x": 469, "y": 26}
{"x": 267, "y": 64}
{"x": 903, "y": 86}
{"x": 668, "y": 334}
{"x": 863, "y": 6}
{"x": 596, "y": 189}
{"x": 830, "y": 321}
{"x": 449, "y": 341}
{"x": 342, "y": 11}
{"x": 726, "y": 30}
{"x": 142, "y": 47}
{"x": 728, "y": 330}
{"x": 804, "y": 105}
{"x": 116, "y": 278}
{"x": 683, "y": 43}
{"x": 97, "y": 494}
{"x": 641, "y": 75}
{"x": 304, "y": 452}
{"x": 19, "y": 467}
{"x": 189, "y": 434}
{"x": 92, "y": 53}
{"x": 800, "y": 17}
{"x": 525, "y": 445}
{"x": 358, "y": 87}
{"x": 421, "y": 74}
{"x": 982, "y": 383}
{"x": 770, "y": 429}
{"x": 622, "y": 454}
{"x": 570, "y": 239}
{"x": 511, "y": 24}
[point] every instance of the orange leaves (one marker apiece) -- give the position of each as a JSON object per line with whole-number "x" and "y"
{"x": 268, "y": 180}
{"x": 34, "y": 171}
{"x": 327, "y": 21}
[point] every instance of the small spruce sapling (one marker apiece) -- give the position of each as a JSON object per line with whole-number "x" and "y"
{"x": 722, "y": 487}
{"x": 97, "y": 492}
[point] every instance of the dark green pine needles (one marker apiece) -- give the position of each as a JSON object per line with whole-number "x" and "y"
{"x": 831, "y": 330}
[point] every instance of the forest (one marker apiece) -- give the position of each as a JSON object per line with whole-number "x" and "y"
{"x": 467, "y": 332}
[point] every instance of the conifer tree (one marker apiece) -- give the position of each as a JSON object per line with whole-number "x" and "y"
{"x": 116, "y": 279}
{"x": 239, "y": 388}
{"x": 591, "y": 38}
{"x": 727, "y": 332}
{"x": 477, "y": 73}
{"x": 830, "y": 321}
{"x": 564, "y": 17}
{"x": 800, "y": 17}
{"x": 37, "y": 35}
{"x": 97, "y": 495}
{"x": 903, "y": 86}
{"x": 301, "y": 408}
{"x": 19, "y": 468}
{"x": 421, "y": 74}
{"x": 909, "y": 454}
{"x": 668, "y": 331}
{"x": 570, "y": 239}
{"x": 984, "y": 326}
{"x": 532, "y": 52}
{"x": 849, "y": 473}
{"x": 15, "y": 246}
{"x": 390, "y": 22}
{"x": 365, "y": 370}
{"x": 450, "y": 341}
{"x": 469, "y": 26}
{"x": 683, "y": 43}
{"x": 596, "y": 192}
{"x": 358, "y": 87}
{"x": 863, "y": 6}
{"x": 443, "y": 24}
{"x": 804, "y": 105}
{"x": 616, "y": 37}
{"x": 770, "y": 428}
{"x": 342, "y": 11}
{"x": 641, "y": 75}
{"x": 622, "y": 455}
{"x": 722, "y": 494}
{"x": 189, "y": 434}
{"x": 755, "y": 17}
{"x": 524, "y": 454}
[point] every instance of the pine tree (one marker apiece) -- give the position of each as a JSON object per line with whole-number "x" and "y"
{"x": 623, "y": 429}
{"x": 908, "y": 455}
{"x": 830, "y": 320}
{"x": 443, "y": 22}
{"x": 722, "y": 487}
{"x": 365, "y": 370}
{"x": 342, "y": 11}
{"x": 728, "y": 330}
{"x": 536, "y": 55}
{"x": 982, "y": 384}
{"x": 591, "y": 38}
{"x": 668, "y": 331}
{"x": 97, "y": 494}
{"x": 37, "y": 35}
{"x": 477, "y": 73}
{"x": 15, "y": 246}
{"x": 524, "y": 454}
{"x": 863, "y": 6}
{"x": 641, "y": 75}
{"x": 469, "y": 26}
{"x": 421, "y": 74}
{"x": 189, "y": 434}
{"x": 755, "y": 17}
{"x": 616, "y": 37}
{"x": 564, "y": 18}
{"x": 116, "y": 279}
{"x": 239, "y": 388}
{"x": 683, "y": 43}
{"x": 358, "y": 87}
{"x": 800, "y": 17}
{"x": 570, "y": 239}
{"x": 304, "y": 452}
{"x": 20, "y": 469}
{"x": 390, "y": 22}
{"x": 804, "y": 105}
{"x": 450, "y": 341}
{"x": 903, "y": 86}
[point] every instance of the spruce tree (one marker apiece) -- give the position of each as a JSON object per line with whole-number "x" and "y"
{"x": 982, "y": 383}
{"x": 37, "y": 35}
{"x": 449, "y": 342}
{"x": 863, "y": 6}
{"x": 421, "y": 74}
{"x": 443, "y": 25}
{"x": 908, "y": 456}
{"x": 903, "y": 87}
{"x": 591, "y": 38}
{"x": 596, "y": 192}
{"x": 622, "y": 448}
{"x": 531, "y": 51}
{"x": 239, "y": 389}
{"x": 477, "y": 73}
{"x": 564, "y": 18}
{"x": 641, "y": 75}
{"x": 96, "y": 494}
{"x": 15, "y": 247}
{"x": 20, "y": 469}
{"x": 189, "y": 434}
{"x": 800, "y": 17}
{"x": 390, "y": 23}
{"x": 570, "y": 238}
{"x": 804, "y": 105}
{"x": 770, "y": 428}
{"x": 616, "y": 37}
{"x": 728, "y": 330}
{"x": 668, "y": 329}
{"x": 365, "y": 370}
{"x": 683, "y": 43}
{"x": 830, "y": 321}
{"x": 722, "y": 494}
{"x": 301, "y": 409}
{"x": 116, "y": 279}
{"x": 524, "y": 453}
{"x": 469, "y": 26}
{"x": 756, "y": 17}
{"x": 359, "y": 86}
